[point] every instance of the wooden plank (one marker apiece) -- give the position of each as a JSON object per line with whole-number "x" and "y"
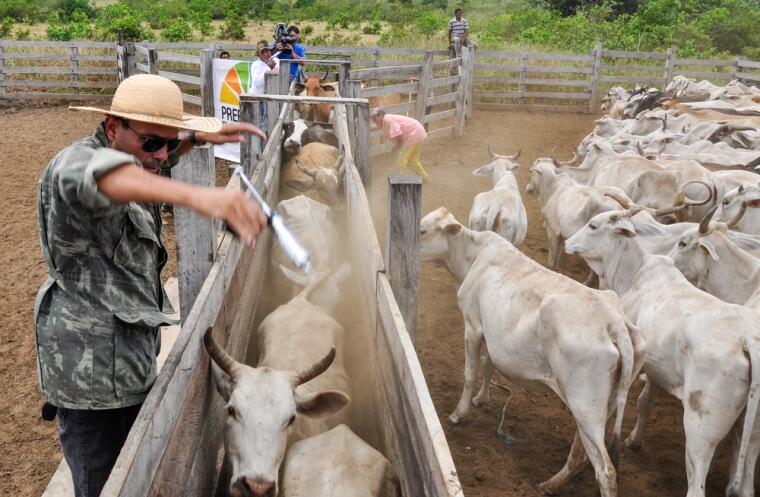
{"x": 402, "y": 108}
{"x": 634, "y": 55}
{"x": 536, "y": 69}
{"x": 483, "y": 54}
{"x": 176, "y": 57}
{"x": 386, "y": 72}
{"x": 583, "y": 83}
{"x": 59, "y": 70}
{"x": 55, "y": 96}
{"x": 462, "y": 93}
{"x": 670, "y": 63}
{"x": 442, "y": 99}
{"x": 142, "y": 67}
{"x": 426, "y": 76}
{"x": 206, "y": 81}
{"x": 707, "y": 74}
{"x": 750, "y": 77}
{"x": 447, "y": 64}
{"x": 306, "y": 99}
{"x": 402, "y": 244}
{"x": 532, "y": 94}
{"x": 433, "y": 450}
{"x": 390, "y": 90}
{"x": 630, "y": 68}
{"x": 74, "y": 64}
{"x": 439, "y": 116}
{"x": 630, "y": 79}
{"x": 2, "y": 69}
{"x": 448, "y": 80}
{"x": 152, "y": 61}
{"x": 191, "y": 99}
{"x": 748, "y": 63}
{"x": 196, "y": 236}
{"x": 596, "y": 71}
{"x": 181, "y": 78}
{"x": 142, "y": 49}
{"x": 32, "y": 56}
{"x": 38, "y": 83}
{"x": 485, "y": 106}
{"x": 59, "y": 44}
{"x": 704, "y": 62}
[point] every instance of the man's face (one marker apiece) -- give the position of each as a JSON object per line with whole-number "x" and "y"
{"x": 458, "y": 15}
{"x": 264, "y": 54}
{"x": 295, "y": 35}
{"x": 127, "y": 140}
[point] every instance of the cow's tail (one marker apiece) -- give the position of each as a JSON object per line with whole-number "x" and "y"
{"x": 624, "y": 340}
{"x": 492, "y": 219}
{"x": 753, "y": 400}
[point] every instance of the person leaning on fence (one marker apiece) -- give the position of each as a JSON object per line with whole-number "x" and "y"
{"x": 406, "y": 134}
{"x": 294, "y": 51}
{"x": 97, "y": 315}
{"x": 259, "y": 69}
{"x": 459, "y": 31}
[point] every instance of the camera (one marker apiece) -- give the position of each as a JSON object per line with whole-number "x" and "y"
{"x": 281, "y": 36}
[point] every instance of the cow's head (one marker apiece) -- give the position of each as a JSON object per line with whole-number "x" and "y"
{"x": 693, "y": 249}
{"x": 325, "y": 179}
{"x": 261, "y": 404}
{"x": 542, "y": 172}
{"x": 293, "y": 133}
{"x": 316, "y": 86}
{"x": 597, "y": 240}
{"x": 732, "y": 202}
{"x": 500, "y": 165}
{"x": 435, "y": 229}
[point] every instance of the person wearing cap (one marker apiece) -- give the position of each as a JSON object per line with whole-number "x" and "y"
{"x": 98, "y": 313}
{"x": 260, "y": 67}
{"x": 407, "y": 135}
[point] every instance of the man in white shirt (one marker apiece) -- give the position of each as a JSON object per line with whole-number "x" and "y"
{"x": 264, "y": 64}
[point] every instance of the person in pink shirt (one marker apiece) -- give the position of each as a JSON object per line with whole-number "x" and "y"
{"x": 405, "y": 133}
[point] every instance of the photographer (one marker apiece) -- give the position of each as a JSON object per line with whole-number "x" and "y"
{"x": 291, "y": 49}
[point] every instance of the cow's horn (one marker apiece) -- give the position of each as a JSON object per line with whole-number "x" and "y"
{"x": 640, "y": 150}
{"x": 493, "y": 155}
{"x": 669, "y": 210}
{"x": 733, "y": 222}
{"x": 554, "y": 157}
{"x": 220, "y": 357}
{"x": 664, "y": 122}
{"x": 516, "y": 156}
{"x": 625, "y": 203}
{"x": 711, "y": 193}
{"x": 341, "y": 157}
{"x": 327, "y": 71}
{"x": 306, "y": 169}
{"x": 704, "y": 225}
{"x": 317, "y": 369}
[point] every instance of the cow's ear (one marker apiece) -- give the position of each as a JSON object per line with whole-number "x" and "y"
{"x": 483, "y": 170}
{"x": 452, "y": 228}
{"x": 708, "y": 247}
{"x": 321, "y": 404}
{"x": 624, "y": 227}
{"x": 755, "y": 202}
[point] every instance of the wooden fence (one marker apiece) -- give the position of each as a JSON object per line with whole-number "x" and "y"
{"x": 570, "y": 82}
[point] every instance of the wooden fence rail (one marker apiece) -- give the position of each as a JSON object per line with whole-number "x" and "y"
{"x": 85, "y": 70}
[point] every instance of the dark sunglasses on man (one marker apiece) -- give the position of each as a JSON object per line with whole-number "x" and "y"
{"x": 153, "y": 143}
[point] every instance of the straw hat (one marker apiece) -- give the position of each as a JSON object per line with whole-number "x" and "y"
{"x": 262, "y": 45}
{"x": 154, "y": 99}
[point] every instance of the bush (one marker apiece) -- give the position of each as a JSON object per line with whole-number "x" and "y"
{"x": 177, "y": 30}
{"x": 233, "y": 27}
{"x": 307, "y": 30}
{"x": 6, "y": 26}
{"x": 23, "y": 34}
{"x": 430, "y": 23}
{"x": 117, "y": 17}
{"x": 78, "y": 29}
{"x": 372, "y": 29}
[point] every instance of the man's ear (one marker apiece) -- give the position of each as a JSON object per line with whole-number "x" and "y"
{"x": 111, "y": 125}
{"x": 321, "y": 404}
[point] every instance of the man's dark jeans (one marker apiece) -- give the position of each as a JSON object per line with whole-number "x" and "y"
{"x": 91, "y": 442}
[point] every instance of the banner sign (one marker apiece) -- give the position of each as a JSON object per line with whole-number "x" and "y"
{"x": 232, "y": 78}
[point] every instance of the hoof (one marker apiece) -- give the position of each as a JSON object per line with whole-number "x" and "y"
{"x": 632, "y": 444}
{"x": 456, "y": 419}
{"x": 506, "y": 438}
{"x": 546, "y": 489}
{"x": 480, "y": 401}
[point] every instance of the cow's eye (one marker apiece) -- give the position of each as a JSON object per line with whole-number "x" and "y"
{"x": 725, "y": 201}
{"x": 291, "y": 420}
{"x": 231, "y": 411}
{"x": 591, "y": 227}
{"x": 681, "y": 244}
{"x": 422, "y": 232}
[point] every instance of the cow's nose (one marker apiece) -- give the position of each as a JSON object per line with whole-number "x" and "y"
{"x": 259, "y": 487}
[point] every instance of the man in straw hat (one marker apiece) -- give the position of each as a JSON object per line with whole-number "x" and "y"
{"x": 97, "y": 316}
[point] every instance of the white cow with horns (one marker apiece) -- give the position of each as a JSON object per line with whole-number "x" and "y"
{"x": 701, "y": 350}
{"x": 500, "y": 209}
{"x": 540, "y": 328}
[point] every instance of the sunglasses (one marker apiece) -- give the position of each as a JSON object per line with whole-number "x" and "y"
{"x": 153, "y": 143}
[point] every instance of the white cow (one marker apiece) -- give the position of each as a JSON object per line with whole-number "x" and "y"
{"x": 701, "y": 350}
{"x": 337, "y": 463}
{"x": 540, "y": 328}
{"x": 500, "y": 209}
{"x": 266, "y": 404}
{"x": 735, "y": 201}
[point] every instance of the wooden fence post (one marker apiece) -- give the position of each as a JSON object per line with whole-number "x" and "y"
{"x": 426, "y": 79}
{"x": 670, "y": 66}
{"x": 461, "y": 101}
{"x": 252, "y": 146}
{"x": 344, "y": 75}
{"x": 130, "y": 60}
{"x": 402, "y": 245}
{"x": 152, "y": 61}
{"x": 739, "y": 68}
{"x": 521, "y": 87}
{"x": 375, "y": 63}
{"x": 2, "y": 70}
{"x": 272, "y": 87}
{"x": 74, "y": 65}
{"x": 596, "y": 69}
{"x": 196, "y": 235}
{"x": 360, "y": 138}
{"x": 207, "y": 82}
{"x": 470, "y": 70}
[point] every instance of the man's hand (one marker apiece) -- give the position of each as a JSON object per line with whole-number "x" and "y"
{"x": 230, "y": 133}
{"x": 241, "y": 213}
{"x": 271, "y": 63}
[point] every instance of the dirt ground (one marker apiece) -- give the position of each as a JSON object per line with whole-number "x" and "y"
{"x": 542, "y": 426}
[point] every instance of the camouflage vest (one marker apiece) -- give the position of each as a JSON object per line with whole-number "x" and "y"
{"x": 97, "y": 314}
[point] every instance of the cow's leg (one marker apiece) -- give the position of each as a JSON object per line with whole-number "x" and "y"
{"x": 483, "y": 395}
{"x": 473, "y": 338}
{"x": 746, "y": 488}
{"x": 643, "y": 405}
{"x": 554, "y": 242}
{"x": 703, "y": 433}
{"x": 576, "y": 460}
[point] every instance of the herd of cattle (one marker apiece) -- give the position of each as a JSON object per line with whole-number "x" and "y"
{"x": 660, "y": 201}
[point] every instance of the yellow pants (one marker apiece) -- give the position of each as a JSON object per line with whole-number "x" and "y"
{"x": 409, "y": 157}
